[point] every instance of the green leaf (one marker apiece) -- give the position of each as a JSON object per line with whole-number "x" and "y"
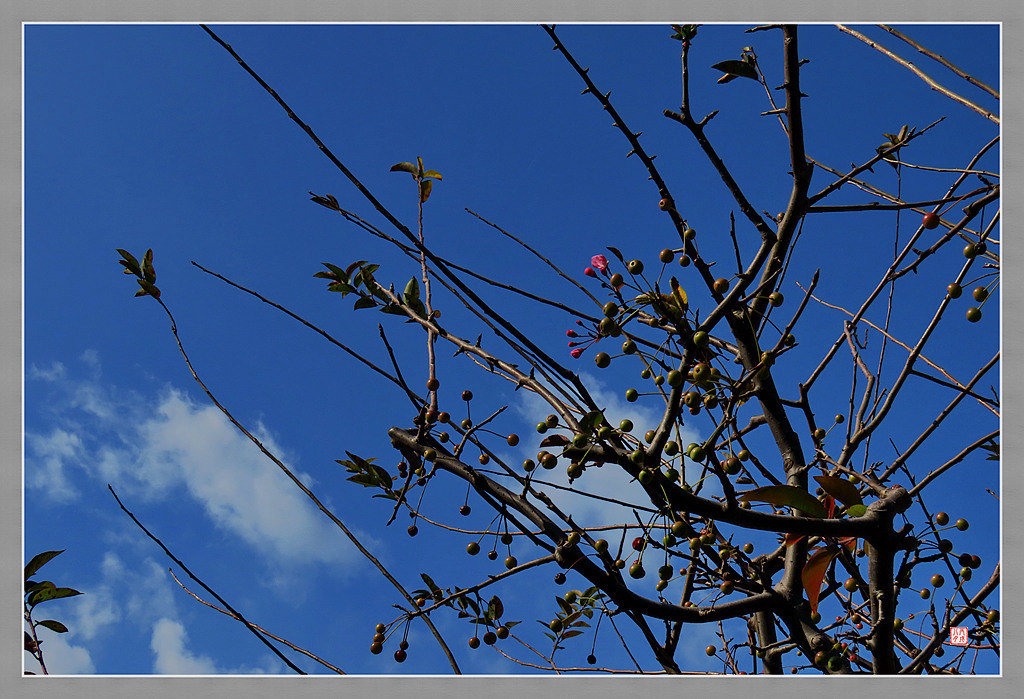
{"x": 841, "y": 489}
{"x": 430, "y": 583}
{"x": 495, "y": 608}
{"x": 352, "y": 267}
{"x": 47, "y": 594}
{"x": 737, "y": 69}
{"x": 432, "y": 173}
{"x": 54, "y": 626}
{"x": 566, "y": 607}
{"x": 789, "y": 496}
{"x": 130, "y": 262}
{"x": 364, "y": 302}
{"x": 339, "y": 274}
{"x": 39, "y": 560}
{"x": 147, "y": 267}
{"x": 814, "y": 573}
{"x": 404, "y": 167}
{"x": 571, "y": 633}
{"x": 418, "y": 308}
{"x": 857, "y": 510}
{"x": 345, "y": 289}
{"x": 411, "y": 292}
{"x": 425, "y": 187}
{"x": 148, "y": 289}
{"x": 590, "y": 421}
{"x": 392, "y": 309}
{"x": 615, "y": 251}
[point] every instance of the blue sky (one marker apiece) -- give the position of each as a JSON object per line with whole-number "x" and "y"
{"x": 151, "y": 136}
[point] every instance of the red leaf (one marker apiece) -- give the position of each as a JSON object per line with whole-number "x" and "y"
{"x": 794, "y": 538}
{"x": 787, "y": 495}
{"x": 841, "y": 489}
{"x": 814, "y": 574}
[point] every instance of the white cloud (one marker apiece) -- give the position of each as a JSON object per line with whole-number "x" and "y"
{"x": 48, "y": 470}
{"x": 60, "y": 656}
{"x": 172, "y": 656}
{"x": 607, "y": 481}
{"x": 150, "y": 448}
{"x": 54, "y": 373}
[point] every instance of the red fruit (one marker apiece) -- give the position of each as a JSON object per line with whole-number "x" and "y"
{"x": 930, "y": 221}
{"x": 638, "y": 543}
{"x": 400, "y": 656}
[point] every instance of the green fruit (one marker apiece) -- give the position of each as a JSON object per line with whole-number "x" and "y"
{"x": 430, "y": 454}
{"x": 637, "y": 571}
{"x": 721, "y": 285}
{"x": 511, "y": 562}
{"x": 701, "y": 338}
{"x": 678, "y": 527}
{"x": 744, "y": 455}
{"x": 840, "y": 419}
{"x": 668, "y": 541}
{"x": 954, "y": 290}
{"x": 671, "y": 448}
{"x": 572, "y": 539}
{"x": 897, "y": 624}
{"x": 555, "y": 625}
{"x": 665, "y": 572}
{"x": 925, "y": 593}
{"x": 571, "y": 596}
{"x": 938, "y": 580}
{"x": 710, "y": 650}
{"x": 980, "y": 294}
{"x": 551, "y": 420}
{"x": 528, "y": 465}
{"x": 602, "y": 360}
{"x": 575, "y": 470}
{"x": 666, "y": 256}
{"x": 966, "y": 573}
{"x": 472, "y": 548}
{"x": 973, "y": 314}
{"x": 600, "y": 545}
{"x": 610, "y": 309}
{"x": 776, "y": 298}
{"x": 942, "y": 519}
{"x": 731, "y": 466}
{"x": 616, "y": 280}
{"x": 697, "y": 453}
{"x": 726, "y": 587}
{"x": 962, "y": 524}
{"x": 701, "y": 372}
{"x": 541, "y": 428}
{"x": 635, "y": 267}
{"x": 628, "y": 347}
{"x": 660, "y": 585}
{"x": 850, "y": 585}
{"x": 993, "y": 616}
{"x": 689, "y": 234}
{"x": 691, "y": 399}
{"x": 748, "y": 548}
{"x": 645, "y": 374}
{"x": 819, "y": 434}
{"x": 675, "y": 378}
{"x": 632, "y": 395}
{"x": 626, "y": 425}
{"x": 671, "y": 474}
{"x": 658, "y": 380}
{"x": 970, "y": 250}
{"x": 649, "y": 436}
{"x": 579, "y": 440}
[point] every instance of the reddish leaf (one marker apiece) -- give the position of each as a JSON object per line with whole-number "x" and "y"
{"x": 794, "y": 538}
{"x": 787, "y": 495}
{"x": 841, "y": 489}
{"x": 554, "y": 440}
{"x": 814, "y": 574}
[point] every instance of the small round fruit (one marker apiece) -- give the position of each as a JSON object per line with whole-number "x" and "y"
{"x": 513, "y": 440}
{"x": 601, "y": 545}
{"x": 619, "y": 564}
{"x": 776, "y": 298}
{"x": 945, "y": 545}
{"x": 665, "y": 204}
{"x": 466, "y": 424}
{"x": 942, "y": 519}
{"x": 962, "y": 524}
{"x": 529, "y": 465}
{"x": 966, "y": 573}
{"x": 492, "y": 555}
{"x": 632, "y": 395}
{"x": 467, "y": 395}
{"x": 666, "y": 256}
{"x": 559, "y": 578}
{"x": 975, "y": 561}
{"x": 684, "y": 261}
{"x": 993, "y": 616}
{"x": 602, "y": 360}
{"x": 980, "y": 294}
{"x": 574, "y": 470}
{"x": 541, "y": 428}
{"x": 925, "y": 593}
{"x": 465, "y": 510}
{"x": 484, "y": 459}
{"x": 665, "y": 572}
{"x": 413, "y": 530}
{"x": 474, "y": 642}
{"x": 628, "y": 347}
{"x": 689, "y": 234}
{"x": 591, "y": 659}
{"x": 506, "y": 538}
{"x": 930, "y": 220}
{"x": 490, "y": 638}
{"x": 472, "y": 548}
{"x": 744, "y": 455}
{"x": 815, "y": 617}
{"x": 748, "y": 548}
{"x": 555, "y": 625}
{"x": 572, "y": 539}
{"x": 675, "y": 378}
{"x": 638, "y": 543}
{"x": 400, "y": 656}
{"x": 637, "y": 571}
{"x": 954, "y": 290}
{"x": 376, "y": 648}
{"x": 616, "y": 280}
{"x": 678, "y": 528}
{"x": 502, "y": 632}
{"x": 635, "y": 267}
{"x": 579, "y": 440}
{"x": 645, "y": 374}
{"x": 430, "y": 454}
{"x": 897, "y": 624}
{"x": 731, "y": 466}
{"x": 660, "y": 585}
{"x": 973, "y": 314}
{"x": 850, "y": 585}
{"x": 626, "y": 425}
{"x": 433, "y": 384}
{"x": 819, "y": 434}
{"x": 511, "y": 562}
{"x": 710, "y": 650}
{"x": 721, "y": 285}
{"x": 671, "y": 448}
{"x": 970, "y": 250}
{"x": 840, "y": 419}
{"x": 610, "y": 309}
{"x": 697, "y": 453}
{"x": 443, "y": 418}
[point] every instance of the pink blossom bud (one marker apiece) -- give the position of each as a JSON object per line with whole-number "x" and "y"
{"x": 590, "y": 272}
{"x": 571, "y": 333}
{"x": 600, "y": 262}
{"x": 576, "y": 353}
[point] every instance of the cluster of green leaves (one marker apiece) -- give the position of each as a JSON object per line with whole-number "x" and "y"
{"x": 574, "y": 610}
{"x": 37, "y": 592}
{"x": 368, "y": 474}
{"x": 360, "y": 273}
{"x": 146, "y": 275}
{"x": 422, "y": 177}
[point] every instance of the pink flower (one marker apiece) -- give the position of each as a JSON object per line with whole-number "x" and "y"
{"x": 590, "y": 272}
{"x": 576, "y": 352}
{"x": 600, "y": 262}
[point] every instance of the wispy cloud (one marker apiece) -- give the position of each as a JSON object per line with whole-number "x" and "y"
{"x": 61, "y": 656}
{"x": 155, "y": 447}
{"x": 171, "y": 655}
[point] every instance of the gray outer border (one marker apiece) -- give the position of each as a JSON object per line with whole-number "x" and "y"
{"x": 14, "y": 12}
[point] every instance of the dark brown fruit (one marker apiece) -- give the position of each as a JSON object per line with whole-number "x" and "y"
{"x": 467, "y": 395}
{"x": 474, "y": 642}
{"x": 464, "y": 510}
{"x": 433, "y": 384}
{"x": 400, "y": 656}
{"x": 490, "y": 638}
